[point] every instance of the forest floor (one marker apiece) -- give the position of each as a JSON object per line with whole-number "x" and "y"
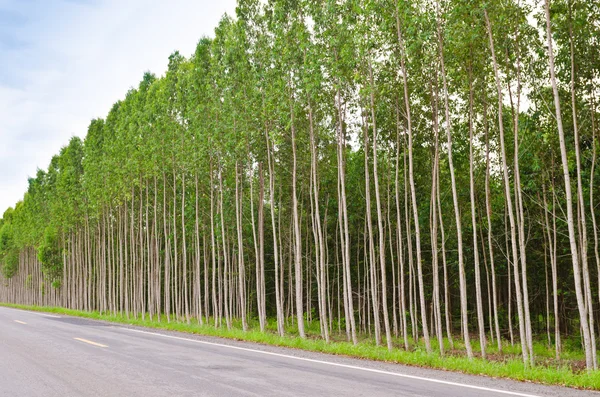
{"x": 568, "y": 371}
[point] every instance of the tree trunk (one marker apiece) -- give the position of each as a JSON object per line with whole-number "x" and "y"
{"x": 413, "y": 192}
{"x": 461, "y": 265}
{"x": 579, "y": 292}
{"x": 524, "y": 347}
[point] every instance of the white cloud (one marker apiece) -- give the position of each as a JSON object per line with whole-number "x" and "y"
{"x": 66, "y": 62}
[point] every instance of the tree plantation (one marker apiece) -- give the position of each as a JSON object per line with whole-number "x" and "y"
{"x": 414, "y": 174}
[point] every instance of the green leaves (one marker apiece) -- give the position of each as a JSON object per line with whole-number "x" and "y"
{"x": 9, "y": 251}
{"x": 50, "y": 255}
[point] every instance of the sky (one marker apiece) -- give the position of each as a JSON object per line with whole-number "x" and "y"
{"x": 65, "y": 62}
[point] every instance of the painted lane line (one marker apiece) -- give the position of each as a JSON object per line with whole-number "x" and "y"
{"x": 20, "y": 322}
{"x": 90, "y": 342}
{"x": 377, "y": 371}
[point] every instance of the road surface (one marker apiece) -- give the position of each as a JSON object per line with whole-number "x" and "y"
{"x": 48, "y": 355}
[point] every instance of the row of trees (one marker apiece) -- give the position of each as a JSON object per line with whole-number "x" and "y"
{"x": 405, "y": 170}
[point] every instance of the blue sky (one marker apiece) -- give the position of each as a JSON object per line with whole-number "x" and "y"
{"x": 64, "y": 62}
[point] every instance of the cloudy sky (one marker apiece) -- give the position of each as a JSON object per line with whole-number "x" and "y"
{"x": 65, "y": 62}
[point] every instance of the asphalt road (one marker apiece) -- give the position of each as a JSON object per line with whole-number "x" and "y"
{"x": 47, "y": 355}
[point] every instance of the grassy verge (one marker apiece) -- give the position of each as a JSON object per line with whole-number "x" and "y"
{"x": 509, "y": 365}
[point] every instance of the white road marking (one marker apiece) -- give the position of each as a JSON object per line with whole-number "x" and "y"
{"x": 90, "y": 342}
{"x": 46, "y": 315}
{"x": 378, "y": 371}
{"x": 20, "y": 322}
{"x": 32, "y": 312}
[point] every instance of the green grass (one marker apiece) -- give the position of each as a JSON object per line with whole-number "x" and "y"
{"x": 505, "y": 365}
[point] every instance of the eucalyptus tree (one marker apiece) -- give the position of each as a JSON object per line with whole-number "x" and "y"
{"x": 406, "y": 19}
{"x": 373, "y": 121}
{"x": 271, "y": 93}
{"x": 94, "y": 181}
{"x": 311, "y": 84}
{"x": 574, "y": 246}
{"x": 507, "y": 193}
{"x": 238, "y": 94}
{"x": 576, "y": 70}
{"x": 461, "y": 266}
{"x": 287, "y": 29}
{"x": 9, "y": 251}
{"x": 339, "y": 58}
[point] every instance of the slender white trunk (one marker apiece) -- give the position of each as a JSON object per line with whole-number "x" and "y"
{"x": 579, "y": 291}
{"x": 413, "y": 191}
{"x": 461, "y": 265}
{"x": 507, "y": 194}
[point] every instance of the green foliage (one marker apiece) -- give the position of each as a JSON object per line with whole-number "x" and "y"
{"x": 28, "y": 281}
{"x": 49, "y": 255}
{"x": 11, "y": 263}
{"x": 9, "y": 252}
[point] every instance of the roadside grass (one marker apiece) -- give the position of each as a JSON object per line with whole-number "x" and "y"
{"x": 507, "y": 364}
